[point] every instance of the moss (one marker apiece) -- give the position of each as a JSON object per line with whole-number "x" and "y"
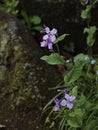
{"x": 25, "y": 78}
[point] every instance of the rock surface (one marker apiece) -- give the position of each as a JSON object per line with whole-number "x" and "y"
{"x": 24, "y": 78}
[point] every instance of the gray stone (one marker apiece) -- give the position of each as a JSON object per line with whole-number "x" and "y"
{"x": 24, "y": 78}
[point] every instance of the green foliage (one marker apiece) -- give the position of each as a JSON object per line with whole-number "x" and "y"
{"x": 33, "y": 22}
{"x": 10, "y": 6}
{"x": 75, "y": 91}
{"x": 76, "y": 71}
{"x": 91, "y": 31}
{"x": 75, "y": 118}
{"x": 86, "y": 14}
{"x": 93, "y": 124}
{"x": 81, "y": 80}
{"x": 54, "y": 59}
{"x": 35, "y": 19}
{"x": 60, "y": 38}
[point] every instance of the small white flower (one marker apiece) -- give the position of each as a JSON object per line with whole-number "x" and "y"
{"x": 93, "y": 62}
{"x": 87, "y": 58}
{"x": 67, "y": 61}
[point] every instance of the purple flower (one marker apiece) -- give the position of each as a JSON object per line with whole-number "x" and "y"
{"x": 62, "y": 90}
{"x": 67, "y": 101}
{"x": 57, "y": 106}
{"x": 51, "y": 32}
{"x": 46, "y": 43}
{"x": 48, "y": 38}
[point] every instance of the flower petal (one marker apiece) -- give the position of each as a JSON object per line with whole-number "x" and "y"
{"x": 53, "y": 31}
{"x": 52, "y": 38}
{"x": 67, "y": 96}
{"x": 56, "y": 100}
{"x": 72, "y": 98}
{"x": 62, "y": 90}
{"x": 50, "y": 46}
{"x": 57, "y": 108}
{"x": 43, "y": 44}
{"x": 63, "y": 102}
{"x": 45, "y": 37}
{"x": 47, "y": 29}
{"x": 69, "y": 105}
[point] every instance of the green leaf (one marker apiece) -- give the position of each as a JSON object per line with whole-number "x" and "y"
{"x": 79, "y": 59}
{"x": 75, "y": 91}
{"x": 35, "y": 20}
{"x": 73, "y": 74}
{"x": 86, "y": 14}
{"x": 60, "y": 38}
{"x": 75, "y": 118}
{"x": 92, "y": 124}
{"x": 81, "y": 101}
{"x": 54, "y": 59}
{"x": 72, "y": 122}
{"x": 91, "y": 31}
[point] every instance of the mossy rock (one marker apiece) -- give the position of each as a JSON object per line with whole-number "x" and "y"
{"x": 24, "y": 78}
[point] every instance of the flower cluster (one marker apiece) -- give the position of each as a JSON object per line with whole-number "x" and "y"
{"x": 48, "y": 38}
{"x": 66, "y": 101}
{"x": 92, "y": 62}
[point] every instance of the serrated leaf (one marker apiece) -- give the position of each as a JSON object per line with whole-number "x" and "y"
{"x": 60, "y": 38}
{"x": 54, "y": 59}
